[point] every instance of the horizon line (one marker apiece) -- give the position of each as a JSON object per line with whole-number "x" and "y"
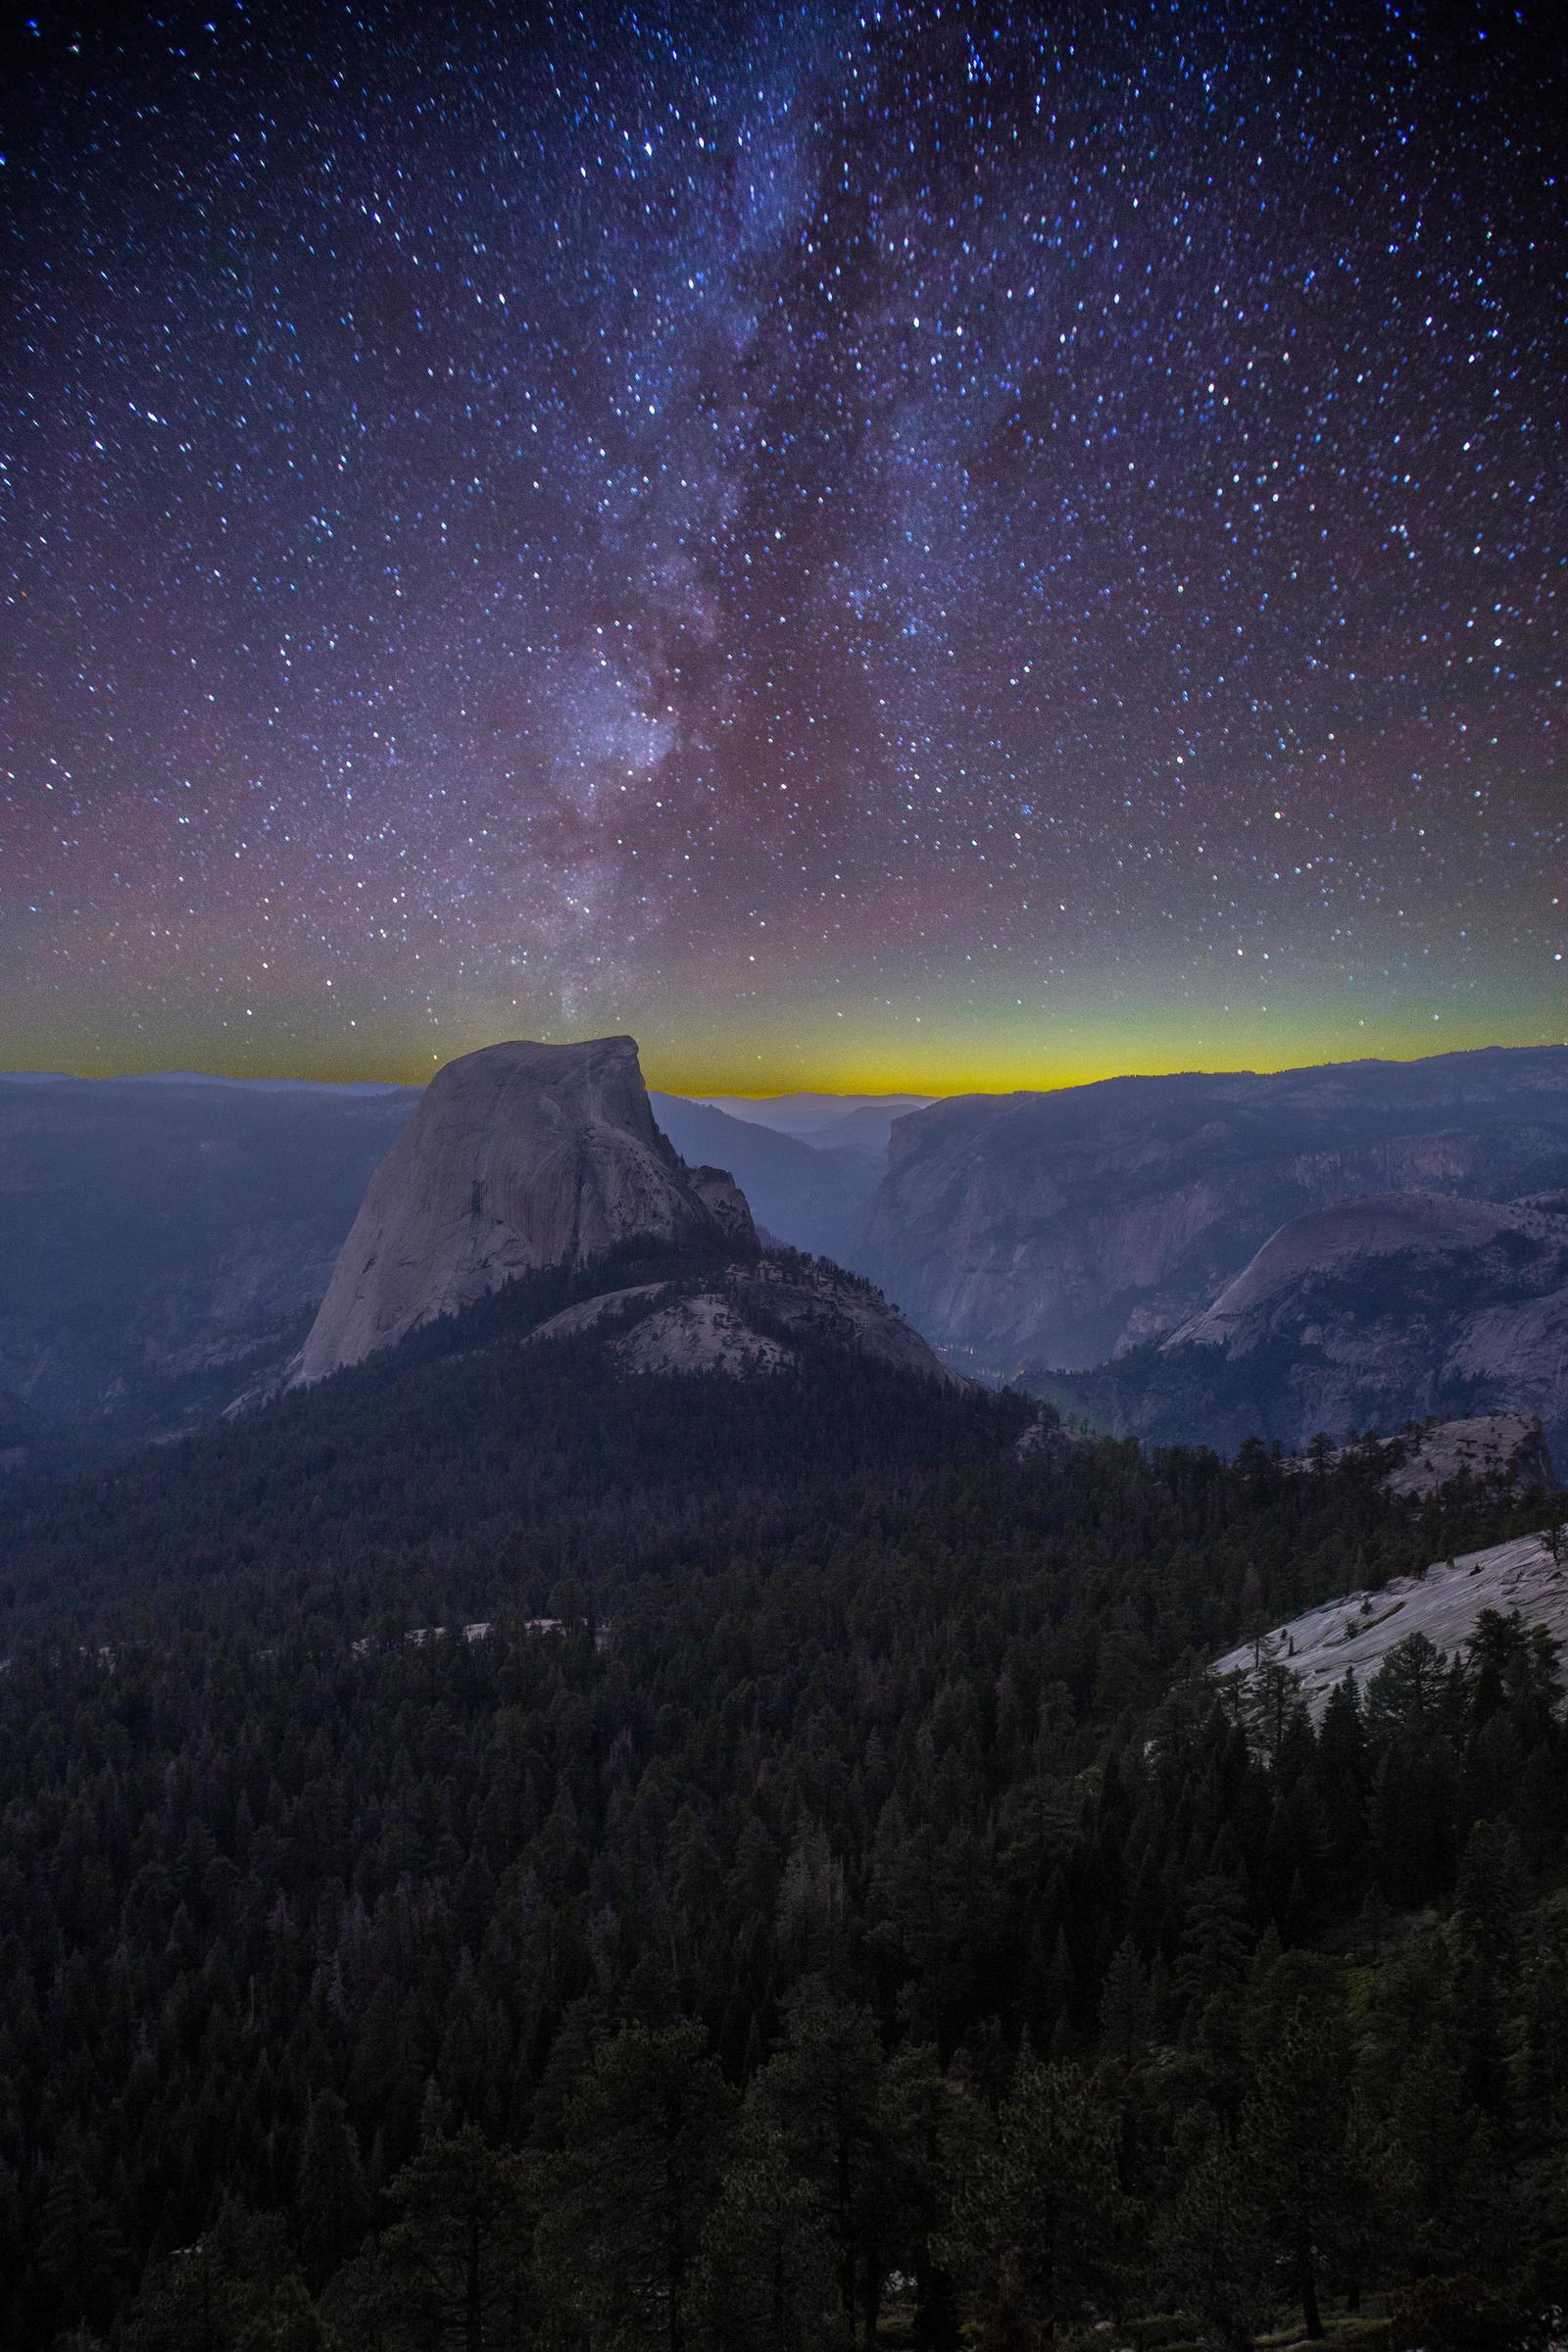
{"x": 924, "y": 1094}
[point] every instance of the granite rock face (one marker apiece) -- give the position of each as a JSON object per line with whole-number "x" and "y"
{"x": 1407, "y": 1307}
{"x": 1355, "y": 1634}
{"x": 518, "y": 1156}
{"x": 1507, "y": 1449}
{"x": 752, "y": 1319}
{"x": 1368, "y": 1268}
{"x": 1058, "y": 1230}
{"x": 1398, "y": 1308}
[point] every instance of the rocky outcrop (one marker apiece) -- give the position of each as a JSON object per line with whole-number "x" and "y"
{"x": 1508, "y": 1450}
{"x": 1355, "y": 1634}
{"x": 1059, "y": 1230}
{"x": 705, "y": 1332}
{"x": 518, "y": 1156}
{"x": 1505, "y": 1449}
{"x": 1048, "y": 1442}
{"x": 748, "y": 1320}
{"x": 1371, "y": 1314}
{"x": 725, "y": 1202}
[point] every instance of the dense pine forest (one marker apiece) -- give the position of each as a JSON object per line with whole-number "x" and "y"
{"x": 495, "y": 1854}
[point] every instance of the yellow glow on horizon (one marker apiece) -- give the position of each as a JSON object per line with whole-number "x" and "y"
{"x": 858, "y": 1072}
{"x": 781, "y": 1044}
{"x": 1005, "y": 1064}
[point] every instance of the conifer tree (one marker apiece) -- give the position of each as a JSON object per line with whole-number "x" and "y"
{"x": 331, "y": 2203}
{"x": 765, "y": 2278}
{"x": 80, "y": 2251}
{"x": 1039, "y": 2228}
{"x": 1448, "y": 2195}
{"x": 234, "y": 2289}
{"x": 455, "y": 2270}
{"x": 1295, "y": 2139}
{"x": 1209, "y": 2235}
{"x": 629, "y": 2197}
{"x": 932, "y": 2131}
{"x": 821, "y": 2094}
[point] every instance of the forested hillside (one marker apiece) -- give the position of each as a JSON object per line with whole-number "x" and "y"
{"x": 494, "y": 1852}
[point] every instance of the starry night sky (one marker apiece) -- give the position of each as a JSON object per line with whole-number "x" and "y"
{"x": 924, "y": 544}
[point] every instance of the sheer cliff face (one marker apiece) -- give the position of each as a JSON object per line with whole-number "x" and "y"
{"x": 1384, "y": 1310}
{"x": 1392, "y": 1259}
{"x": 518, "y": 1156}
{"x": 1061, "y": 1229}
{"x": 1370, "y": 1315}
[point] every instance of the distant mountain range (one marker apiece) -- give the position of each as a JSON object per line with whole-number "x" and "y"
{"x": 1031, "y": 1231}
{"x": 825, "y": 1119}
{"x": 1203, "y": 1258}
{"x": 811, "y": 1196}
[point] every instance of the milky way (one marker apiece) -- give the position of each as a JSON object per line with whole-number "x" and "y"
{"x": 925, "y": 544}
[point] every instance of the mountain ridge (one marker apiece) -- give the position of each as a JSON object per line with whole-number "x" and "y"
{"x": 1060, "y": 1229}
{"x": 517, "y": 1156}
{"x": 1367, "y": 1313}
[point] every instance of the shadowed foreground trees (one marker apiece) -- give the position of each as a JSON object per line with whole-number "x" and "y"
{"x": 1228, "y": 2121}
{"x": 819, "y": 1894}
{"x": 456, "y": 2266}
{"x": 1042, "y": 2225}
{"x": 646, "y": 2144}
